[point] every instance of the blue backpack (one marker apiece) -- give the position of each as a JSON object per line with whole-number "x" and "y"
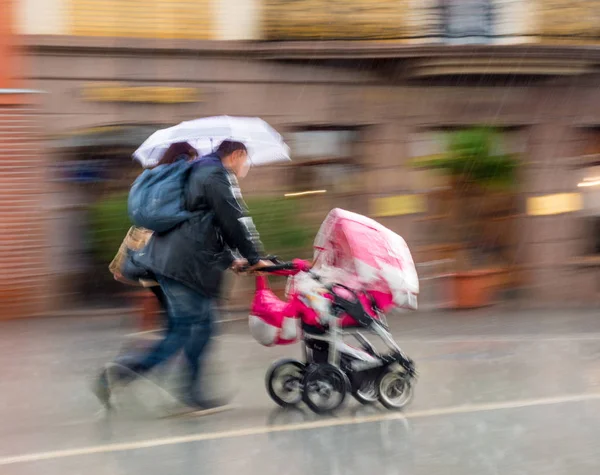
{"x": 156, "y": 199}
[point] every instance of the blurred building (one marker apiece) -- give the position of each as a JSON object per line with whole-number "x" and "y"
{"x": 23, "y": 283}
{"x": 358, "y": 87}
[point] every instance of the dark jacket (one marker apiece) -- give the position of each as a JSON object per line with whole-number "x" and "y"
{"x": 197, "y": 252}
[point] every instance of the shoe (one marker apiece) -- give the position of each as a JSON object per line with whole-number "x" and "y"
{"x": 119, "y": 375}
{"x": 101, "y": 389}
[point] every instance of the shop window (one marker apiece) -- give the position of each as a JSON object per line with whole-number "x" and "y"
{"x": 467, "y": 21}
{"x": 593, "y": 232}
{"x": 458, "y": 21}
{"x": 310, "y": 145}
{"x": 596, "y": 236}
{"x": 591, "y": 237}
{"x": 325, "y": 173}
{"x": 589, "y": 187}
{"x": 592, "y": 145}
{"x": 472, "y": 21}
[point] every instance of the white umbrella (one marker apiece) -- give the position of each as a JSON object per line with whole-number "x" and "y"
{"x": 264, "y": 144}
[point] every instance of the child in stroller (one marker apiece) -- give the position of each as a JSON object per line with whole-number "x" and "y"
{"x": 327, "y": 311}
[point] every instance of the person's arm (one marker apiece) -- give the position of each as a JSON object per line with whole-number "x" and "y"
{"x": 235, "y": 225}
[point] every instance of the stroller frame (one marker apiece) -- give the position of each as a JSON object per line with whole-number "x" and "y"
{"x": 331, "y": 364}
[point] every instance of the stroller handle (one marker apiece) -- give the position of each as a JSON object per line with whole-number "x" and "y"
{"x": 283, "y": 268}
{"x": 278, "y": 267}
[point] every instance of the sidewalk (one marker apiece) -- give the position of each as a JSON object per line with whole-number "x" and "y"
{"x": 490, "y": 383}
{"x": 487, "y": 321}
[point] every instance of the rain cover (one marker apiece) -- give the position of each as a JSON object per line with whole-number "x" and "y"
{"x": 369, "y": 255}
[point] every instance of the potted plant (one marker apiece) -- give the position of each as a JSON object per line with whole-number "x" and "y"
{"x": 481, "y": 181}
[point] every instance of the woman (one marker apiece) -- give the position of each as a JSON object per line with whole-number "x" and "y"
{"x": 122, "y": 267}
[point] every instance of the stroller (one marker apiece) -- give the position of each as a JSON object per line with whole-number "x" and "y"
{"x": 360, "y": 270}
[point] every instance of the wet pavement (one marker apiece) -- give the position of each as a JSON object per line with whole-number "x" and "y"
{"x": 512, "y": 393}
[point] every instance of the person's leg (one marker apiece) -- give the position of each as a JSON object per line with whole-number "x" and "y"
{"x": 182, "y": 306}
{"x": 181, "y": 303}
{"x": 164, "y": 308}
{"x": 196, "y": 348}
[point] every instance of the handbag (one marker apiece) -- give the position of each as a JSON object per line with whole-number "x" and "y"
{"x": 123, "y": 266}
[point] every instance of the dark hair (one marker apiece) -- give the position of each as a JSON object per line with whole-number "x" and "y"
{"x": 227, "y": 147}
{"x": 175, "y": 151}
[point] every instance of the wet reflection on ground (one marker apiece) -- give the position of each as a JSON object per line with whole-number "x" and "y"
{"x": 497, "y": 400}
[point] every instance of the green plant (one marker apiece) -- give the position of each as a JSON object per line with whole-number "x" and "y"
{"x": 477, "y": 174}
{"x": 109, "y": 224}
{"x": 276, "y": 219}
{"x": 471, "y": 159}
{"x": 278, "y": 222}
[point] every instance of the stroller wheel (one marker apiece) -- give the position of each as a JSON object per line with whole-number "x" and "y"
{"x": 325, "y": 388}
{"x": 284, "y": 382}
{"x": 367, "y": 392}
{"x": 395, "y": 389}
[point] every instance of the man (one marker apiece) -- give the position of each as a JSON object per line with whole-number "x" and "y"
{"x": 189, "y": 262}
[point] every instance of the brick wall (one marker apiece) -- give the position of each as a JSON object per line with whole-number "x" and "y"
{"x": 23, "y": 250}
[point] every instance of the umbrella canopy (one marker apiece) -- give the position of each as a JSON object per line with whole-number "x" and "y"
{"x": 265, "y": 145}
{"x": 372, "y": 256}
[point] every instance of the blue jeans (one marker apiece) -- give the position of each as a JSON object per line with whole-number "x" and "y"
{"x": 190, "y": 329}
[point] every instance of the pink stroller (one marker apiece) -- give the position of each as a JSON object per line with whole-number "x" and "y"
{"x": 378, "y": 274}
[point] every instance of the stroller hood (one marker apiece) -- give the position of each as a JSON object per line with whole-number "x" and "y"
{"x": 372, "y": 256}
